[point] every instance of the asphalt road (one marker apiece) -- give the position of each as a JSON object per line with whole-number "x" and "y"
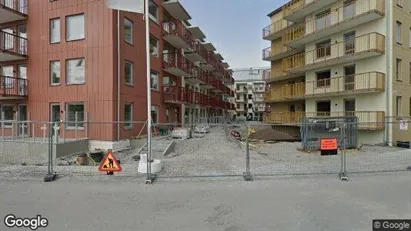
{"x": 311, "y": 203}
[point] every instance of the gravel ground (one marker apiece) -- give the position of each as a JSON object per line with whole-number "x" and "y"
{"x": 219, "y": 154}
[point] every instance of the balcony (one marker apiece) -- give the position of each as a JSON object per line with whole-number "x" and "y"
{"x": 198, "y": 76}
{"x": 288, "y": 92}
{"x": 341, "y": 19}
{"x": 13, "y": 10}
{"x": 351, "y": 50}
{"x": 240, "y": 100}
{"x": 176, "y": 34}
{"x": 346, "y": 85}
{"x": 13, "y": 88}
{"x": 207, "y": 85}
{"x": 367, "y": 120}
{"x": 219, "y": 71}
{"x": 210, "y": 63}
{"x": 218, "y": 86}
{"x": 177, "y": 65}
{"x": 176, "y": 95}
{"x": 297, "y": 10}
{"x": 196, "y": 53}
{"x": 273, "y": 31}
{"x": 279, "y": 52}
{"x": 12, "y": 47}
{"x": 259, "y": 89}
{"x": 176, "y": 10}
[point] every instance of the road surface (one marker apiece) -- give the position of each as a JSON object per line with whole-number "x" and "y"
{"x": 311, "y": 203}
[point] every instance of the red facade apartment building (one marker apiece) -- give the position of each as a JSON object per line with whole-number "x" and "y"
{"x": 59, "y": 63}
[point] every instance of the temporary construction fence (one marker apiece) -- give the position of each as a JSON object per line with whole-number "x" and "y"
{"x": 244, "y": 150}
{"x": 316, "y": 128}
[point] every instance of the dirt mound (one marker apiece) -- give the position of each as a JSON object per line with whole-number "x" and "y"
{"x": 269, "y": 134}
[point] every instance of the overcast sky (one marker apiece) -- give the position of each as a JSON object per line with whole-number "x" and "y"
{"x": 234, "y": 27}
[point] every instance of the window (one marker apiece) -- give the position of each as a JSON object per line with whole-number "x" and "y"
{"x": 323, "y": 79}
{"x": 398, "y": 69}
{"x": 128, "y": 116}
{"x": 128, "y": 73}
{"x": 153, "y": 10}
{"x": 154, "y": 80}
{"x": 323, "y": 49}
{"x": 55, "y": 72}
{"x": 400, "y": 3}
{"x": 7, "y": 114}
{"x": 349, "y": 43}
{"x": 410, "y": 33}
{"x": 398, "y": 32}
{"x": 154, "y": 114}
{"x": 349, "y": 9}
{"x": 250, "y": 96}
{"x": 410, "y": 73}
{"x": 398, "y": 111}
{"x": 55, "y": 30}
{"x": 76, "y": 71}
{"x": 323, "y": 19}
{"x": 75, "y": 115}
{"x": 8, "y": 80}
{"x": 128, "y": 31}
{"x": 153, "y": 46}
{"x": 75, "y": 27}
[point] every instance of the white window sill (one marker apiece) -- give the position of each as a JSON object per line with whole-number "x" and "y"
{"x": 128, "y": 127}
{"x": 75, "y": 128}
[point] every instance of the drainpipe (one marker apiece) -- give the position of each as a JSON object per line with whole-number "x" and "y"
{"x": 388, "y": 45}
{"x": 118, "y": 75}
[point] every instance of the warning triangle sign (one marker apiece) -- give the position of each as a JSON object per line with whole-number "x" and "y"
{"x": 110, "y": 164}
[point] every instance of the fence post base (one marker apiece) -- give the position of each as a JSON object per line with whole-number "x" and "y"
{"x": 343, "y": 177}
{"x": 50, "y": 177}
{"x": 247, "y": 176}
{"x": 151, "y": 180}
{"x": 409, "y": 168}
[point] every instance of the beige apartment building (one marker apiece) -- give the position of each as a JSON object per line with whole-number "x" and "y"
{"x": 341, "y": 58}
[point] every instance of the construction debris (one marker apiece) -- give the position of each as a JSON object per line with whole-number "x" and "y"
{"x": 269, "y": 134}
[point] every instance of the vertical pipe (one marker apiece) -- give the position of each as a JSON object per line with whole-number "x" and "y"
{"x": 147, "y": 21}
{"x": 76, "y": 127}
{"x": 389, "y": 32}
{"x": 118, "y": 75}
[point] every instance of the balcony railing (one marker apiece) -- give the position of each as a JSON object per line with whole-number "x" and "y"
{"x": 293, "y": 6}
{"x": 339, "y": 16}
{"x": 210, "y": 61}
{"x": 13, "y": 10}
{"x": 11, "y": 87}
{"x": 367, "y": 120}
{"x": 363, "y": 46}
{"x": 270, "y": 53}
{"x": 270, "y": 31}
{"x": 198, "y": 76}
{"x": 352, "y": 84}
{"x": 176, "y": 94}
{"x": 197, "y": 52}
{"x": 175, "y": 33}
{"x": 176, "y": 64}
{"x": 13, "y": 45}
{"x": 285, "y": 93}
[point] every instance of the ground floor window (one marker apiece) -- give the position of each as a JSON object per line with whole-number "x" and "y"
{"x": 75, "y": 115}
{"x": 154, "y": 114}
{"x": 7, "y": 115}
{"x": 128, "y": 116}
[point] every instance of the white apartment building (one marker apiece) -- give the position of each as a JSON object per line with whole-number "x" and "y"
{"x": 249, "y": 92}
{"x": 341, "y": 58}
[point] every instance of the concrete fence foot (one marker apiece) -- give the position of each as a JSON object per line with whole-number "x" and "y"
{"x": 50, "y": 177}
{"x": 247, "y": 176}
{"x": 343, "y": 177}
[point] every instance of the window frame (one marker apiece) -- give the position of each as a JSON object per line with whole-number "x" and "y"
{"x": 67, "y": 27}
{"x": 67, "y": 117}
{"x": 50, "y": 30}
{"x": 398, "y": 29}
{"x": 398, "y": 106}
{"x": 131, "y": 81}
{"x": 132, "y": 30}
{"x": 157, "y": 110}
{"x": 158, "y": 80}
{"x": 398, "y": 69}
{"x": 68, "y": 69}
{"x": 51, "y": 72}
{"x": 326, "y": 81}
{"x": 152, "y": 17}
{"x": 157, "y": 55}
{"x": 6, "y": 124}
{"x": 327, "y": 48}
{"x": 128, "y": 124}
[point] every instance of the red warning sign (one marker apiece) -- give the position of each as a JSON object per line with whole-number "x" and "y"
{"x": 110, "y": 163}
{"x": 329, "y": 144}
